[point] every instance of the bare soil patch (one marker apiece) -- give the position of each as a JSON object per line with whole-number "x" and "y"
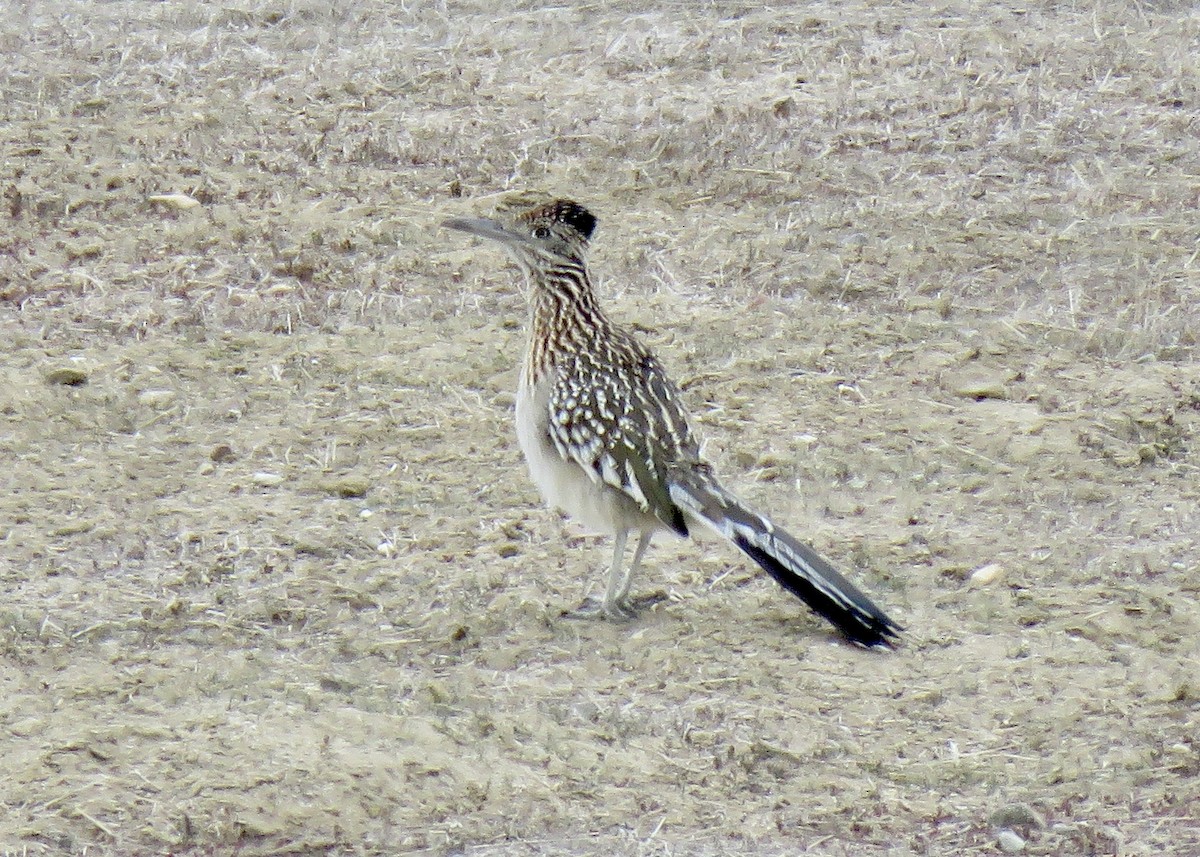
{"x": 275, "y": 580}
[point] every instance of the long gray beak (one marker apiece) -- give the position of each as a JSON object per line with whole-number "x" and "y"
{"x": 485, "y": 228}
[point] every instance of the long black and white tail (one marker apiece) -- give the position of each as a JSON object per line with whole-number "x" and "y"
{"x": 795, "y": 566}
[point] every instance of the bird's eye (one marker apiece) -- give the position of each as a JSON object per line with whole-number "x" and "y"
{"x": 541, "y": 233}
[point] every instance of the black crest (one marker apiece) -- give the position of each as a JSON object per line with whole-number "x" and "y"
{"x": 571, "y": 214}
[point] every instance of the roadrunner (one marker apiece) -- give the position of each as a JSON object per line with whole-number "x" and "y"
{"x": 608, "y": 440}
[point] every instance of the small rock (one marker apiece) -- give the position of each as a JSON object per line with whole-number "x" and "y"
{"x": 1017, "y": 815}
{"x": 67, "y": 376}
{"x": 981, "y": 388}
{"x": 1009, "y": 842}
{"x": 508, "y": 549}
{"x": 178, "y": 201}
{"x": 221, "y": 453}
{"x": 986, "y": 574}
{"x": 348, "y": 486}
{"x": 266, "y": 480}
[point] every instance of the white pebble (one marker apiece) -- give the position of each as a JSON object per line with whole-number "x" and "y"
{"x": 986, "y": 574}
{"x": 1009, "y": 842}
{"x": 180, "y": 201}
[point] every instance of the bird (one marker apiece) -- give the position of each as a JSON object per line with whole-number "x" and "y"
{"x": 608, "y": 439}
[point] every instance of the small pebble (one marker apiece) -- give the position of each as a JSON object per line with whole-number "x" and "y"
{"x": 986, "y": 574}
{"x": 67, "y": 376}
{"x": 348, "y": 486}
{"x": 1009, "y": 842}
{"x": 981, "y": 388}
{"x": 222, "y": 452}
{"x": 266, "y": 480}
{"x": 178, "y": 201}
{"x": 1017, "y": 815}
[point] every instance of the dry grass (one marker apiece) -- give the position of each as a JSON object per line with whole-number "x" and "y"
{"x": 275, "y": 582}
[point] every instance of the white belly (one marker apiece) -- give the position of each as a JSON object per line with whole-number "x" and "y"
{"x": 564, "y": 484}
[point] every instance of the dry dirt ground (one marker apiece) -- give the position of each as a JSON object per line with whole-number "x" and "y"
{"x": 275, "y": 579}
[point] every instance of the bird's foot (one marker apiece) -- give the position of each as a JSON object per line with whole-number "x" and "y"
{"x": 596, "y": 608}
{"x": 618, "y": 610}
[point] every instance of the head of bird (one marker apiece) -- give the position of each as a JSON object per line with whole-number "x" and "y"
{"x": 536, "y": 238}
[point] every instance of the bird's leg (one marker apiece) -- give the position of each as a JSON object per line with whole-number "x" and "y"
{"x": 611, "y": 607}
{"x": 616, "y": 603}
{"x": 627, "y": 579}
